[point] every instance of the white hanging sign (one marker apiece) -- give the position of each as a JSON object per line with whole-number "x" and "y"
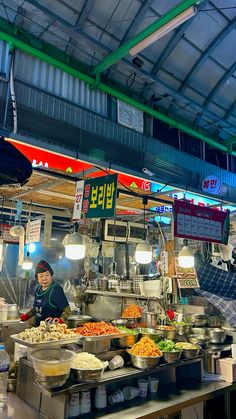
{"x": 33, "y": 231}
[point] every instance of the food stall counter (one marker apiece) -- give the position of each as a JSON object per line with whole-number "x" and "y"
{"x": 174, "y": 398}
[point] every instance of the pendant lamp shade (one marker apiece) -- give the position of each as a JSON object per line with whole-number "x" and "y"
{"x": 74, "y": 246}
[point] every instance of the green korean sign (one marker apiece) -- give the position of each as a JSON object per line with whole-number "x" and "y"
{"x": 95, "y": 198}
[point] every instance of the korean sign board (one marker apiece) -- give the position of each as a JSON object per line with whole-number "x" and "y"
{"x": 95, "y": 198}
{"x": 200, "y": 223}
{"x": 211, "y": 184}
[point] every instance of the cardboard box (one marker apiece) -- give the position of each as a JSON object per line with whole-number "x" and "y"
{"x": 227, "y": 368}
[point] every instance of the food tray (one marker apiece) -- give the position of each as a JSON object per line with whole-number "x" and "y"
{"x": 49, "y": 344}
{"x": 103, "y": 337}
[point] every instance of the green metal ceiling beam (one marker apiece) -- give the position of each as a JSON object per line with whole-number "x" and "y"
{"x": 230, "y": 142}
{"x": 123, "y": 50}
{"x": 51, "y": 55}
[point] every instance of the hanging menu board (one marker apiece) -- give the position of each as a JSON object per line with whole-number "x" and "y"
{"x": 95, "y": 198}
{"x": 200, "y": 223}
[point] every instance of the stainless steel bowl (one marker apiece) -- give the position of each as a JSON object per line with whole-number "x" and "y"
{"x": 51, "y": 381}
{"x": 87, "y": 376}
{"x": 74, "y": 320}
{"x": 169, "y": 334}
{"x": 145, "y": 362}
{"x": 198, "y": 331}
{"x": 201, "y": 340}
{"x": 126, "y": 341}
{"x": 191, "y": 353}
{"x": 149, "y": 333}
{"x": 200, "y": 319}
{"x": 216, "y": 335}
{"x": 171, "y": 356}
{"x": 150, "y": 319}
{"x": 119, "y": 322}
{"x": 183, "y": 329}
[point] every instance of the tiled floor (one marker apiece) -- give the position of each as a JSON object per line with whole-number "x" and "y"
{"x": 17, "y": 409}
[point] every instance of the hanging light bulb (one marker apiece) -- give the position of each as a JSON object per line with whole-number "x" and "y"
{"x": 143, "y": 253}
{"x": 27, "y": 264}
{"x": 186, "y": 257}
{"x": 74, "y": 245}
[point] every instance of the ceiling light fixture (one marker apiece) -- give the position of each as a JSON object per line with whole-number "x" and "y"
{"x": 27, "y": 264}
{"x": 163, "y": 30}
{"x": 186, "y": 257}
{"x": 74, "y": 245}
{"x": 143, "y": 251}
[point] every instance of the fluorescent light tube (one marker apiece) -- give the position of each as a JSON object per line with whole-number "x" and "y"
{"x": 159, "y": 33}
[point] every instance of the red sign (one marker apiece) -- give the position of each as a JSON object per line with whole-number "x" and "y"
{"x": 200, "y": 223}
{"x": 48, "y": 159}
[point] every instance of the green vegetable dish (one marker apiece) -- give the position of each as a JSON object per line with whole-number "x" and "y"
{"x": 186, "y": 345}
{"x": 168, "y": 346}
{"x": 128, "y": 331}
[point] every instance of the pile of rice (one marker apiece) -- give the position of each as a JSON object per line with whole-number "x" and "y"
{"x": 86, "y": 361}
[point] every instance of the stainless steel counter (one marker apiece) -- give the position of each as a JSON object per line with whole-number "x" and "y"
{"x": 169, "y": 400}
{"x": 175, "y": 398}
{"x": 18, "y": 409}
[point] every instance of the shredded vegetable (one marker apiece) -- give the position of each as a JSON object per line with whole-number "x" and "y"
{"x": 97, "y": 329}
{"x": 132, "y": 311}
{"x": 145, "y": 347}
{"x": 128, "y": 331}
{"x": 168, "y": 346}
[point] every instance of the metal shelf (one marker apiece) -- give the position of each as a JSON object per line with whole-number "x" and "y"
{"x": 120, "y": 295}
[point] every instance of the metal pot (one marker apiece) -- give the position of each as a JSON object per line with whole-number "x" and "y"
{"x": 200, "y": 319}
{"x": 201, "y": 340}
{"x": 126, "y": 341}
{"x": 150, "y": 319}
{"x": 217, "y": 335}
{"x": 214, "y": 321}
{"x": 74, "y": 321}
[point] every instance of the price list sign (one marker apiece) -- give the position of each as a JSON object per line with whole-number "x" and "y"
{"x": 200, "y": 223}
{"x": 186, "y": 277}
{"x": 95, "y": 198}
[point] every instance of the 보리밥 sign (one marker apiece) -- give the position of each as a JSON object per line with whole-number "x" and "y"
{"x": 95, "y": 198}
{"x": 200, "y": 223}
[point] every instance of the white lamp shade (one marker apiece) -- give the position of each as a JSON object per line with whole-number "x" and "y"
{"x": 143, "y": 253}
{"x": 74, "y": 246}
{"x": 27, "y": 264}
{"x": 186, "y": 258}
{"x": 75, "y": 251}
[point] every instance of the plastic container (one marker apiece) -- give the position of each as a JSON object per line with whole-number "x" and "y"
{"x": 3, "y": 312}
{"x": 227, "y": 368}
{"x": 117, "y": 397}
{"x": 85, "y": 403}
{"x": 4, "y": 367}
{"x": 12, "y": 312}
{"x": 143, "y": 387}
{"x": 130, "y": 392}
{"x": 153, "y": 384}
{"x": 100, "y": 398}
{"x": 74, "y": 406}
{"x": 50, "y": 362}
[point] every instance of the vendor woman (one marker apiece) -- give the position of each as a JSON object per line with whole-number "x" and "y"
{"x": 49, "y": 299}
